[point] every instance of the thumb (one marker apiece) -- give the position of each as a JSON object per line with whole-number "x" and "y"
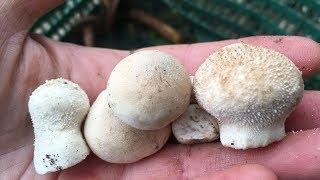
{"x": 245, "y": 172}
{"x": 19, "y": 15}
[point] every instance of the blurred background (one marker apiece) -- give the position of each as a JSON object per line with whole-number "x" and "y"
{"x": 132, "y": 24}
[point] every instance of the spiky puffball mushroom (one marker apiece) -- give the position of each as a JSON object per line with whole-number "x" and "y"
{"x": 251, "y": 91}
{"x": 149, "y": 89}
{"x": 116, "y": 142}
{"x": 57, "y": 109}
{"x": 195, "y": 126}
{"x": 192, "y": 98}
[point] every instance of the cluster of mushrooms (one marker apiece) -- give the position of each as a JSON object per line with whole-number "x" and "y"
{"x": 241, "y": 94}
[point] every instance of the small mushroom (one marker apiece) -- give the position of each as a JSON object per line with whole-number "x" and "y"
{"x": 195, "y": 126}
{"x": 251, "y": 91}
{"x": 116, "y": 142}
{"x": 192, "y": 98}
{"x": 148, "y": 90}
{"x": 57, "y": 109}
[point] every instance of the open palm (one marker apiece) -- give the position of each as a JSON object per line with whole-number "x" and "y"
{"x": 27, "y": 60}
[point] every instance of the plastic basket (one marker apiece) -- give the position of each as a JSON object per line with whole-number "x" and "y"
{"x": 60, "y": 21}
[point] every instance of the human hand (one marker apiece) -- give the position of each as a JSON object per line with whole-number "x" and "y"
{"x": 26, "y": 61}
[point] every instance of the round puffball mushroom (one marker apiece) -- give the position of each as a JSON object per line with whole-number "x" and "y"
{"x": 57, "y": 109}
{"x": 193, "y": 98}
{"x": 148, "y": 90}
{"x": 251, "y": 91}
{"x": 116, "y": 142}
{"x": 195, "y": 126}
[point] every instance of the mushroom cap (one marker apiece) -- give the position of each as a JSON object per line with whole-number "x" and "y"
{"x": 149, "y": 89}
{"x": 195, "y": 126}
{"x": 58, "y": 104}
{"x": 116, "y": 142}
{"x": 250, "y": 87}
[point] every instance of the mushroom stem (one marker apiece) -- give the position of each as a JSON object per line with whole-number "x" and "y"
{"x": 238, "y": 136}
{"x": 57, "y": 150}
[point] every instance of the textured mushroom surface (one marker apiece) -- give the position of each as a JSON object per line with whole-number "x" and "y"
{"x": 192, "y": 98}
{"x": 57, "y": 109}
{"x": 116, "y": 142}
{"x": 195, "y": 126}
{"x": 251, "y": 91}
{"x": 149, "y": 89}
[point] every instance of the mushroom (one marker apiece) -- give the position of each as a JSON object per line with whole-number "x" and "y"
{"x": 195, "y": 126}
{"x": 148, "y": 90}
{"x": 251, "y": 91}
{"x": 57, "y": 109}
{"x": 192, "y": 98}
{"x": 116, "y": 142}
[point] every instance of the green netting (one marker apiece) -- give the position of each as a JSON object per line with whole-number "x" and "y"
{"x": 59, "y": 22}
{"x": 197, "y": 20}
{"x": 238, "y": 18}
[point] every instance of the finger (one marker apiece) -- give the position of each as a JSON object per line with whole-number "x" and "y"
{"x": 245, "y": 172}
{"x": 307, "y": 113}
{"x": 295, "y": 157}
{"x": 306, "y": 57}
{"x": 91, "y": 67}
{"x": 304, "y": 52}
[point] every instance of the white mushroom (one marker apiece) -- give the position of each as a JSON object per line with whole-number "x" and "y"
{"x": 195, "y": 126}
{"x": 148, "y": 90}
{"x": 57, "y": 109}
{"x": 192, "y": 98}
{"x": 251, "y": 91}
{"x": 116, "y": 142}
